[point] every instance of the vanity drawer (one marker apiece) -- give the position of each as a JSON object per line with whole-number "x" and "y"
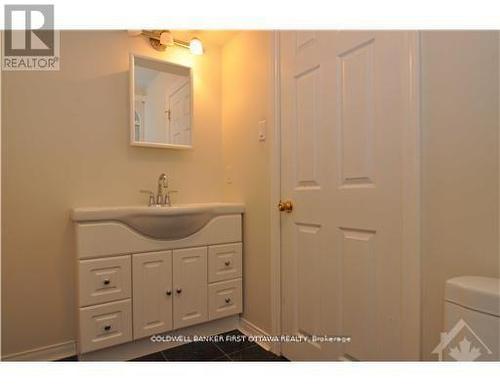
{"x": 224, "y": 299}
{"x": 224, "y": 262}
{"x": 104, "y": 280}
{"x": 105, "y": 325}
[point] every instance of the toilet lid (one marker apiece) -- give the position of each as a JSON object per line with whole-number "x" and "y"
{"x": 477, "y": 293}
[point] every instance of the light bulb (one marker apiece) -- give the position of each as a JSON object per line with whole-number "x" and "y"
{"x": 196, "y": 46}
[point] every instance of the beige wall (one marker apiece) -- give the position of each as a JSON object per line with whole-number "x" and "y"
{"x": 246, "y": 101}
{"x": 460, "y": 166}
{"x": 64, "y": 144}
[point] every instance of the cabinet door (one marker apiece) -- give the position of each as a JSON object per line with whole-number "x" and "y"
{"x": 152, "y": 293}
{"x": 190, "y": 287}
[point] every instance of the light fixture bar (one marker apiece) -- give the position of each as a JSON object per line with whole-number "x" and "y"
{"x": 182, "y": 44}
{"x": 161, "y": 39}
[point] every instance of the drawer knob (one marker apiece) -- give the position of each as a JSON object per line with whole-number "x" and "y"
{"x": 106, "y": 281}
{"x": 227, "y": 263}
{"x": 228, "y": 300}
{"x": 178, "y": 290}
{"x": 169, "y": 292}
{"x": 107, "y": 328}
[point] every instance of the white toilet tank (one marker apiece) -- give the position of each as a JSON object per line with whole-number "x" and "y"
{"x": 472, "y": 320}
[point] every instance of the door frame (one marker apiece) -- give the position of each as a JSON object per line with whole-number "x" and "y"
{"x": 411, "y": 195}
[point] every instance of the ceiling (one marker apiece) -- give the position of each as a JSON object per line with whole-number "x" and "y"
{"x": 211, "y": 37}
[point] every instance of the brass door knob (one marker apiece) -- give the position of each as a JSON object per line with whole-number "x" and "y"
{"x": 285, "y": 206}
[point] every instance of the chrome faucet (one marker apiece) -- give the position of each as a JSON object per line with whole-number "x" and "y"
{"x": 162, "y": 198}
{"x": 162, "y": 184}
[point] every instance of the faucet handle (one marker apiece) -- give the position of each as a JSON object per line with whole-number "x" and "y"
{"x": 168, "y": 199}
{"x": 151, "y": 197}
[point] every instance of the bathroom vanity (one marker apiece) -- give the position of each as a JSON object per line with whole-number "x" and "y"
{"x": 146, "y": 271}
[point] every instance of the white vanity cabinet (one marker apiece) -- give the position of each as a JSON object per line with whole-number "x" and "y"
{"x": 131, "y": 287}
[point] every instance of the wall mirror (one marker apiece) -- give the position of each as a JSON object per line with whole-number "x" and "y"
{"x": 160, "y": 103}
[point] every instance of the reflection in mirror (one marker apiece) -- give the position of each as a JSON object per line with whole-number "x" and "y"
{"x": 160, "y": 103}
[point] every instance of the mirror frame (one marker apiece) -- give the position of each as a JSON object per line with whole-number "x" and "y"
{"x": 147, "y": 144}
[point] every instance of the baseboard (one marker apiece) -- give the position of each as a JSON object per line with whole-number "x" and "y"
{"x": 47, "y": 353}
{"x": 251, "y": 330}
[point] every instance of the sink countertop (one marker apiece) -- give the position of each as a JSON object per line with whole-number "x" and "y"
{"x": 114, "y": 212}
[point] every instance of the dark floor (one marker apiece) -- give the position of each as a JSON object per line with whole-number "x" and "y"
{"x": 234, "y": 347}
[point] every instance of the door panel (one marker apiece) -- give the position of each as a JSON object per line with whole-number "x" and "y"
{"x": 180, "y": 115}
{"x": 343, "y": 115}
{"x": 190, "y": 286}
{"x": 306, "y": 86}
{"x": 152, "y": 281}
{"x": 308, "y": 241}
{"x": 356, "y": 106}
{"x": 358, "y": 287}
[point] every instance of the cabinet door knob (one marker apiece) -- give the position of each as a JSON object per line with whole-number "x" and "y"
{"x": 106, "y": 281}
{"x": 227, "y": 263}
{"x": 107, "y": 328}
{"x": 169, "y": 292}
{"x": 178, "y": 290}
{"x": 228, "y": 299}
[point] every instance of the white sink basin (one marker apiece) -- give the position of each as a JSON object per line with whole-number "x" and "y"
{"x": 164, "y": 223}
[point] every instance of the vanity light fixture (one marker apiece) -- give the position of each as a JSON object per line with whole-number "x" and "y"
{"x": 196, "y": 46}
{"x": 162, "y": 39}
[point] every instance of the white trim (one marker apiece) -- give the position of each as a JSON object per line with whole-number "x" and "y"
{"x": 411, "y": 211}
{"x": 251, "y": 330}
{"x": 275, "y": 192}
{"x": 160, "y": 145}
{"x": 46, "y": 353}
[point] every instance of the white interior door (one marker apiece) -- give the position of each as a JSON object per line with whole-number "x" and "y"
{"x": 180, "y": 115}
{"x": 344, "y": 111}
